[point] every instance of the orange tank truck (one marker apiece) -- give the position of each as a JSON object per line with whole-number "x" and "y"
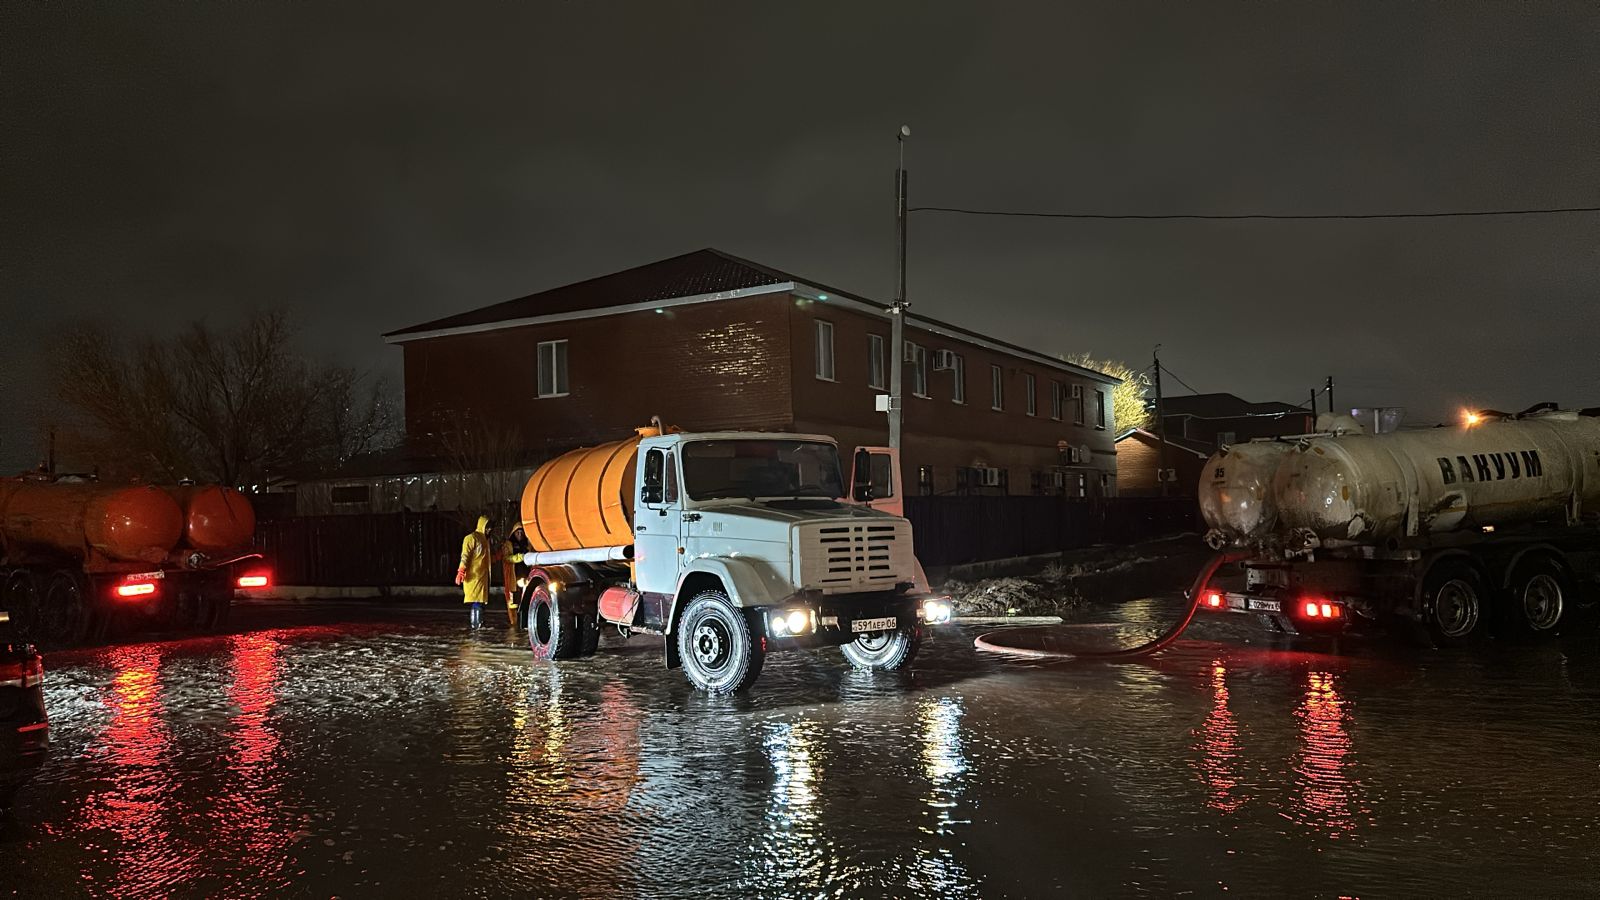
{"x": 78, "y": 555}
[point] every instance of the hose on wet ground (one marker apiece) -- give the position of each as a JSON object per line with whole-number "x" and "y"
{"x": 1195, "y": 595}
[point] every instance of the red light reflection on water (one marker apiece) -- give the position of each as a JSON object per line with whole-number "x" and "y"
{"x": 148, "y": 856}
{"x": 1218, "y": 749}
{"x": 1328, "y": 794}
{"x": 249, "y": 808}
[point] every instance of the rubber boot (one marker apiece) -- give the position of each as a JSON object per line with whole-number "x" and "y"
{"x": 476, "y": 615}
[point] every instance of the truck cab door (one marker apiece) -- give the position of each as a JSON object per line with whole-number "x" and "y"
{"x": 875, "y": 479}
{"x": 657, "y": 525}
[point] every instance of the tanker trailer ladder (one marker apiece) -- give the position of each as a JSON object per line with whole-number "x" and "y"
{"x": 1038, "y": 641}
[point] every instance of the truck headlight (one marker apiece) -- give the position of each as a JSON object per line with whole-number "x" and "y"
{"x": 797, "y": 620}
{"x": 935, "y": 611}
{"x": 790, "y": 622}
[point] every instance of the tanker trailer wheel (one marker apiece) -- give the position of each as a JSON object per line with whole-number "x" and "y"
{"x": 1455, "y": 604}
{"x": 552, "y": 631}
{"x": 884, "y": 651}
{"x": 589, "y": 632}
{"x": 719, "y": 650}
{"x": 66, "y": 612}
{"x": 21, "y": 600}
{"x": 1540, "y": 591}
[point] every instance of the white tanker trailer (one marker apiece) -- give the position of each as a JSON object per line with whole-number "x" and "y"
{"x": 1491, "y": 523}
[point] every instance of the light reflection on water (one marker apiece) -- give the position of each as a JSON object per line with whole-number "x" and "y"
{"x": 1217, "y": 749}
{"x": 1328, "y": 791}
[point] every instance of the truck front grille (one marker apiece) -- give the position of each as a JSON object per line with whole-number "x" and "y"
{"x": 856, "y": 556}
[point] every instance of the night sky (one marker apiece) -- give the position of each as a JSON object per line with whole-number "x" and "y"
{"x": 373, "y": 166}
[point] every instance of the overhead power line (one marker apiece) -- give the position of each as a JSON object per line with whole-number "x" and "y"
{"x": 1177, "y": 379}
{"x": 1452, "y": 214}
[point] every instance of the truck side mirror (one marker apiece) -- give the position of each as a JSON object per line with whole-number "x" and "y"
{"x": 861, "y": 477}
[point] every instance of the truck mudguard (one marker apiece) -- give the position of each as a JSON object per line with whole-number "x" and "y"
{"x": 748, "y": 582}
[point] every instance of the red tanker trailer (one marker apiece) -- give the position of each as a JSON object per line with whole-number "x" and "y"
{"x": 76, "y": 554}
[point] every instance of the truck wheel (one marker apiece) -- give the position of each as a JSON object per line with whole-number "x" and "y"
{"x": 552, "y": 633}
{"x": 589, "y": 634}
{"x": 65, "y": 613}
{"x": 21, "y": 600}
{"x": 715, "y": 643}
{"x": 885, "y": 651}
{"x": 1454, "y": 604}
{"x": 1538, "y": 600}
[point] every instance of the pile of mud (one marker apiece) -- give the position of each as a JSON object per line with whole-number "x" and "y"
{"x": 1095, "y": 574}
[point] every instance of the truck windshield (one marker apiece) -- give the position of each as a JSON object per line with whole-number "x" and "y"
{"x": 715, "y": 470}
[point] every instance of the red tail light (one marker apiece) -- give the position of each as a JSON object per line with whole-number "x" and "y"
{"x": 1312, "y": 610}
{"x": 1214, "y": 600}
{"x": 254, "y": 580}
{"x": 24, "y": 674}
{"x": 131, "y": 589}
{"x": 1316, "y": 608}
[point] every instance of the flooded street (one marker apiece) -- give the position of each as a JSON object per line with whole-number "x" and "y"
{"x": 346, "y": 751}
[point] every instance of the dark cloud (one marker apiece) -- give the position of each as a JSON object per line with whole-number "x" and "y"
{"x": 372, "y": 167}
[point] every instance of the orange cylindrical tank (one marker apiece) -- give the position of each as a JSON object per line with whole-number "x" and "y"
{"x": 583, "y": 498}
{"x": 217, "y": 519}
{"x": 121, "y": 522}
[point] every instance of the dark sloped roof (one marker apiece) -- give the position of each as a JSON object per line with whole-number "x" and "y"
{"x": 707, "y": 271}
{"x": 1221, "y": 406}
{"x": 1198, "y": 448}
{"x": 692, "y": 274}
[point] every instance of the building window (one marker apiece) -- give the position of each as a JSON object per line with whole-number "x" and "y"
{"x": 1056, "y": 390}
{"x": 997, "y": 388}
{"x": 552, "y": 368}
{"x": 959, "y": 368}
{"x": 1099, "y": 409}
{"x": 824, "y": 350}
{"x": 1226, "y": 438}
{"x": 350, "y": 493}
{"x": 918, "y": 357}
{"x": 875, "y": 362}
{"x": 925, "y": 480}
{"x": 1077, "y": 404}
{"x": 1032, "y": 394}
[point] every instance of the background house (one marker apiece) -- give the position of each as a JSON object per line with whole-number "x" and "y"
{"x": 1197, "y": 426}
{"x": 709, "y": 341}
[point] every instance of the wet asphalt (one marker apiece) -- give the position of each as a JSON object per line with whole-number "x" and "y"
{"x": 351, "y": 750}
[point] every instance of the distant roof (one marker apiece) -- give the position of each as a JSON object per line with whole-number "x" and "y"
{"x": 1198, "y": 448}
{"x": 701, "y": 274}
{"x": 1222, "y": 406}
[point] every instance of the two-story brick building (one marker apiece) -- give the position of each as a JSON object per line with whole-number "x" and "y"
{"x": 710, "y": 341}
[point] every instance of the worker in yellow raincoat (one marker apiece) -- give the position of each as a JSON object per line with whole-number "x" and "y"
{"x": 511, "y": 550}
{"x": 477, "y": 553}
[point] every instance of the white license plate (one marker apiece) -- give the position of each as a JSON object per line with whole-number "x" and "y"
{"x": 886, "y": 623}
{"x": 1264, "y": 605}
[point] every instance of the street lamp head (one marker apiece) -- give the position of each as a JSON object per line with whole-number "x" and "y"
{"x": 905, "y": 132}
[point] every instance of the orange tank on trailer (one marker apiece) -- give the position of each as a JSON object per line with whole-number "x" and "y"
{"x": 41, "y": 520}
{"x": 216, "y": 519}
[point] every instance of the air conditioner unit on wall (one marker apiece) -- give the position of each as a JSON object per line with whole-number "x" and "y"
{"x": 944, "y": 360}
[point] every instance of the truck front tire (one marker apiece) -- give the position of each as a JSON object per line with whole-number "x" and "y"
{"x": 885, "y": 651}
{"x": 719, "y": 650}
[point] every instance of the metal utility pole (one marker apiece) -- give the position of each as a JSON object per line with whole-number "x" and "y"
{"x": 1161, "y": 419}
{"x": 897, "y": 312}
{"x": 1330, "y": 393}
{"x": 1313, "y": 404}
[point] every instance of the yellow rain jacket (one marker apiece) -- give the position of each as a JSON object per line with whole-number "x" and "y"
{"x": 473, "y": 573}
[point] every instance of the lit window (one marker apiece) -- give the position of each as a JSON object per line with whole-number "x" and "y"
{"x": 1032, "y": 394}
{"x": 824, "y": 350}
{"x": 1056, "y": 391}
{"x": 997, "y": 385}
{"x": 1099, "y": 409}
{"x": 1077, "y": 404}
{"x": 875, "y": 362}
{"x": 919, "y": 369}
{"x": 959, "y": 370}
{"x": 552, "y": 368}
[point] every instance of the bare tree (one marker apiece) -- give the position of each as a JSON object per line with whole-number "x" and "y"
{"x": 236, "y": 406}
{"x": 485, "y": 453}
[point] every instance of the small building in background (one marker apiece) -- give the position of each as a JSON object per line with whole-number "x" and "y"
{"x": 1197, "y": 425}
{"x": 708, "y": 341}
